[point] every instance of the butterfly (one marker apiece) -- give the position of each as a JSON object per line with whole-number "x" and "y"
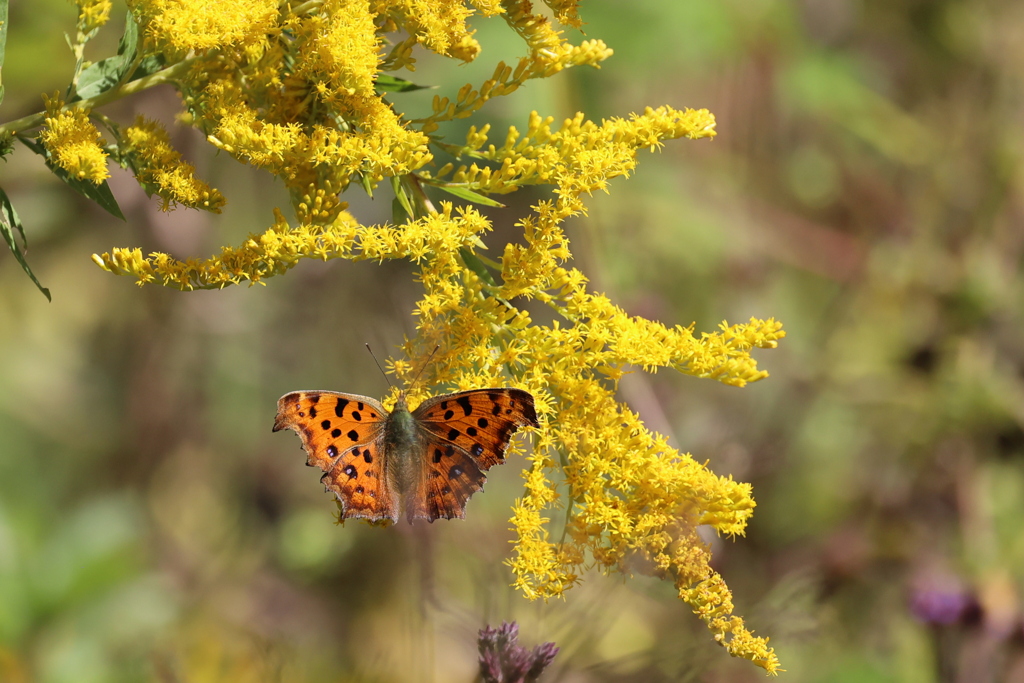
{"x": 427, "y": 462}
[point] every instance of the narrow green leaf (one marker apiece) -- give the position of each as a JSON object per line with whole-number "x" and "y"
{"x": 474, "y": 263}
{"x": 402, "y": 196}
{"x": 398, "y": 214}
{"x": 34, "y": 145}
{"x": 469, "y": 195}
{"x": 9, "y": 222}
{"x": 100, "y": 194}
{"x": 11, "y": 216}
{"x": 387, "y": 83}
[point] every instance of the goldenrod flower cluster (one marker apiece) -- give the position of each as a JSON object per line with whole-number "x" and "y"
{"x": 290, "y": 87}
{"x": 182, "y": 26}
{"x": 73, "y": 142}
{"x": 159, "y": 166}
{"x": 92, "y": 14}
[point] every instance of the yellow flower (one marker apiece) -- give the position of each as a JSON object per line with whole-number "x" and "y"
{"x": 293, "y": 92}
{"x": 580, "y": 157}
{"x": 182, "y": 26}
{"x": 159, "y": 167}
{"x": 438, "y": 25}
{"x": 92, "y": 14}
{"x": 73, "y": 142}
{"x": 341, "y": 47}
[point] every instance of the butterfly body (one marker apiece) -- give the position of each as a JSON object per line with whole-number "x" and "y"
{"x": 402, "y": 438}
{"x": 427, "y": 462}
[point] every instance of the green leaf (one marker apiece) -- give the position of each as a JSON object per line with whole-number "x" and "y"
{"x": 474, "y": 263}
{"x": 386, "y": 83}
{"x": 9, "y": 222}
{"x": 106, "y": 73}
{"x": 130, "y": 38}
{"x": 364, "y": 180}
{"x": 402, "y": 196}
{"x": 398, "y": 214}
{"x": 3, "y": 39}
{"x": 98, "y": 78}
{"x": 469, "y": 195}
{"x": 100, "y": 194}
{"x": 149, "y": 65}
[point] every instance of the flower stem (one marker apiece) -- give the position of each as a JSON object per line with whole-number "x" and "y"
{"x": 129, "y": 88}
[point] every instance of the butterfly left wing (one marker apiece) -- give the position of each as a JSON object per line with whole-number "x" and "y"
{"x": 342, "y": 434}
{"x": 466, "y": 434}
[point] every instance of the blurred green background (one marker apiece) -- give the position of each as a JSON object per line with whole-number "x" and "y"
{"x": 865, "y": 188}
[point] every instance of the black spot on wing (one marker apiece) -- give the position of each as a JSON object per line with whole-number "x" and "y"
{"x": 477, "y": 450}
{"x": 312, "y": 412}
{"x": 332, "y": 451}
{"x": 467, "y": 407}
{"x": 335, "y": 433}
{"x": 453, "y": 434}
{"x": 353, "y": 435}
{"x": 339, "y": 409}
{"x": 326, "y": 424}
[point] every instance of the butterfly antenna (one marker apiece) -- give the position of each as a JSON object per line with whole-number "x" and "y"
{"x": 386, "y": 378}
{"x": 425, "y": 364}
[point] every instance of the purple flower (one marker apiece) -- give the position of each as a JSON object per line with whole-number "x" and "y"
{"x": 940, "y": 604}
{"x": 503, "y": 660}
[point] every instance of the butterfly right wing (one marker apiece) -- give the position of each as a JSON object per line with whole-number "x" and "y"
{"x": 464, "y": 435}
{"x": 343, "y": 434}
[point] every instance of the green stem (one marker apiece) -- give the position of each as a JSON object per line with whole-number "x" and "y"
{"x": 305, "y": 7}
{"x": 457, "y": 151}
{"x": 130, "y": 88}
{"x": 422, "y": 202}
{"x": 490, "y": 262}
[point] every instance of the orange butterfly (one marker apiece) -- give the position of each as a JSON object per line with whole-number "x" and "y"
{"x": 429, "y": 461}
